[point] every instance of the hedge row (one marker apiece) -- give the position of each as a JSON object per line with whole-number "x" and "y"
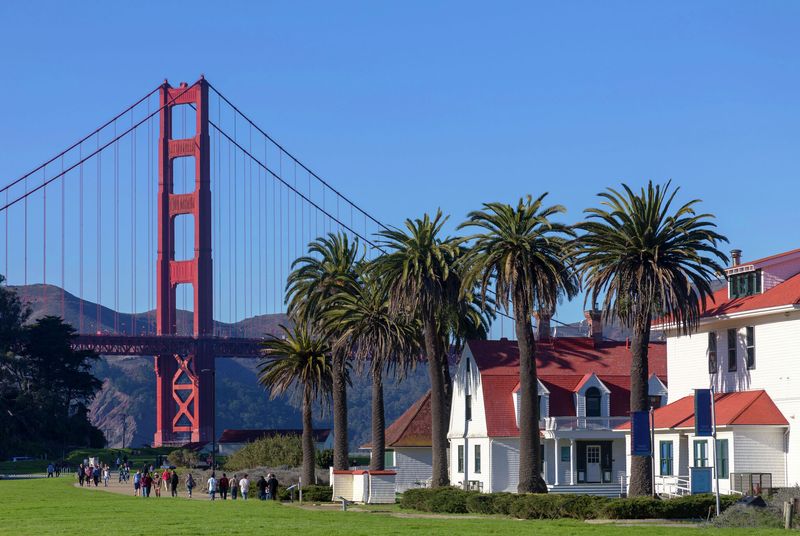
{"x": 310, "y": 494}
{"x": 558, "y": 506}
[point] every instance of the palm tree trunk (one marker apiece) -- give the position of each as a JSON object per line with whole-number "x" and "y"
{"x": 530, "y": 463}
{"x": 641, "y": 482}
{"x": 376, "y": 462}
{"x": 448, "y": 389}
{"x": 340, "y": 446}
{"x": 308, "y": 441}
{"x": 438, "y": 429}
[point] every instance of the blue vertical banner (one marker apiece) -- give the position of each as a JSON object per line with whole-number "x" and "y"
{"x": 703, "y": 421}
{"x": 640, "y": 434}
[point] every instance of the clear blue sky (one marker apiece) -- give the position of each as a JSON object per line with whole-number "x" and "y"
{"x": 410, "y": 106}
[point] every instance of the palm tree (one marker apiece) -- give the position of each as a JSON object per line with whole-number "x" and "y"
{"x": 524, "y": 255}
{"x": 384, "y": 338}
{"x": 646, "y": 258}
{"x": 418, "y": 270}
{"x": 328, "y": 267}
{"x": 298, "y": 361}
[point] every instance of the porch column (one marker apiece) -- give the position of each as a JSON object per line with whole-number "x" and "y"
{"x": 557, "y": 456}
{"x": 572, "y": 466}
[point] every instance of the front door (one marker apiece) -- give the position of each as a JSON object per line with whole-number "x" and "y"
{"x": 593, "y": 470}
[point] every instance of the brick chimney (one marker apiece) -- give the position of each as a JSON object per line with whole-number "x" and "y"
{"x": 542, "y": 325}
{"x": 595, "y": 320}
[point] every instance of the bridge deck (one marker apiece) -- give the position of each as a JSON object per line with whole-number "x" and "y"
{"x": 151, "y": 345}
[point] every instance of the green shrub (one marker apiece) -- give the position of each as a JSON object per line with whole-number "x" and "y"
{"x": 324, "y": 458}
{"x": 273, "y": 451}
{"x": 503, "y": 502}
{"x": 483, "y": 503}
{"x": 317, "y": 493}
{"x": 449, "y": 501}
{"x": 415, "y": 499}
{"x": 183, "y": 458}
{"x": 633, "y": 508}
{"x": 557, "y": 506}
{"x": 440, "y": 500}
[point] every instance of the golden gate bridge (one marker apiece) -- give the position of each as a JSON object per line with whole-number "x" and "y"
{"x": 179, "y": 219}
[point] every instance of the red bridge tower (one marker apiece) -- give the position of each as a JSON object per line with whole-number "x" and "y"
{"x": 185, "y": 383}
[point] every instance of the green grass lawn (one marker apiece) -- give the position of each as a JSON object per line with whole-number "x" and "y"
{"x": 54, "y": 506}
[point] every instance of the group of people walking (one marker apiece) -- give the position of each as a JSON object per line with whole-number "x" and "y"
{"x": 267, "y": 487}
{"x": 90, "y": 472}
{"x": 148, "y": 483}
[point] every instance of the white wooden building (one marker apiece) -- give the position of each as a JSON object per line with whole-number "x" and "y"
{"x": 409, "y": 446}
{"x": 751, "y": 433}
{"x": 748, "y": 339}
{"x": 584, "y": 392}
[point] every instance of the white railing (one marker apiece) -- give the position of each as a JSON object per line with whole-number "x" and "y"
{"x": 672, "y": 486}
{"x": 565, "y": 424}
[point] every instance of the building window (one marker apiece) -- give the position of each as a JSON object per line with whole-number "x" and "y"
{"x": 751, "y": 347}
{"x": 541, "y": 458}
{"x": 593, "y": 400}
{"x": 746, "y": 284}
{"x": 712, "y": 352}
{"x": 540, "y": 407}
{"x": 477, "y": 458}
{"x": 460, "y": 458}
{"x": 665, "y": 449}
{"x": 701, "y": 453}
{"x": 388, "y": 458}
{"x": 468, "y": 409}
{"x": 731, "y": 350}
{"x": 722, "y": 458}
{"x": 564, "y": 454}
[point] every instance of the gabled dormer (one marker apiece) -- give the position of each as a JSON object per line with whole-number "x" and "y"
{"x": 544, "y": 402}
{"x": 657, "y": 392}
{"x": 592, "y": 397}
{"x": 757, "y": 277}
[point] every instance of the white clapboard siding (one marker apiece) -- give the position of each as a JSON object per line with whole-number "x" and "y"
{"x": 414, "y": 465}
{"x": 505, "y": 460}
{"x": 759, "y": 450}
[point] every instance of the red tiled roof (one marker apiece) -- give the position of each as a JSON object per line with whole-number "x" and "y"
{"x": 561, "y": 367}
{"x": 248, "y": 436}
{"x": 572, "y": 355}
{"x": 785, "y": 293}
{"x": 739, "y": 408}
{"x": 412, "y": 428}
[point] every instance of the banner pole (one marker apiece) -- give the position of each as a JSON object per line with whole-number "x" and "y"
{"x": 653, "y": 450}
{"x": 716, "y": 458}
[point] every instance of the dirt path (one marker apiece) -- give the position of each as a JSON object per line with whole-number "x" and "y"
{"x": 126, "y": 488}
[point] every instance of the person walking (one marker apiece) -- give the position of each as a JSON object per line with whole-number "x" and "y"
{"x": 244, "y": 486}
{"x": 272, "y": 487}
{"x": 137, "y": 483}
{"x": 51, "y": 469}
{"x": 166, "y": 478}
{"x": 106, "y": 475}
{"x": 147, "y": 484}
{"x": 234, "y": 485}
{"x": 173, "y": 483}
{"x": 190, "y": 484}
{"x": 58, "y": 469}
{"x": 157, "y": 484}
{"x": 262, "y": 488}
{"x": 212, "y": 486}
{"x": 81, "y": 474}
{"x": 223, "y": 487}
{"x": 95, "y": 472}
